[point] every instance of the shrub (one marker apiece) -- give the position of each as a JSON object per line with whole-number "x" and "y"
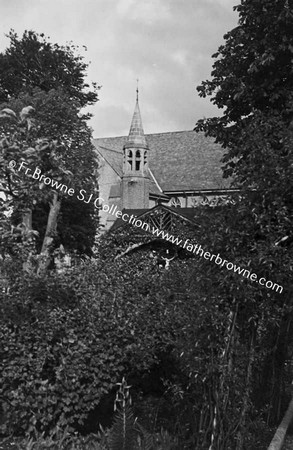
{"x": 67, "y": 339}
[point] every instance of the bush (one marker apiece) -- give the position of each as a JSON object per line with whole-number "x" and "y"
{"x": 180, "y": 337}
{"x": 67, "y": 339}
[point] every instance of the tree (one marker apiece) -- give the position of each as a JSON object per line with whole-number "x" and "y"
{"x": 32, "y": 61}
{"x": 253, "y": 70}
{"x": 278, "y": 439}
{"x": 252, "y": 82}
{"x": 51, "y": 79}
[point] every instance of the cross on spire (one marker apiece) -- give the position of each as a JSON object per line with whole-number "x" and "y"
{"x": 136, "y": 136}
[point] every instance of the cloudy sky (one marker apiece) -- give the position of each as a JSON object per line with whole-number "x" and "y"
{"x": 167, "y": 44}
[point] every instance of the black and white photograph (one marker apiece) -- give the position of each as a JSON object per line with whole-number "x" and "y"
{"x": 146, "y": 225}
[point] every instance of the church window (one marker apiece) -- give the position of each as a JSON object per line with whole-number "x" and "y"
{"x": 137, "y": 160}
{"x": 145, "y": 158}
{"x": 175, "y": 202}
{"x": 130, "y": 159}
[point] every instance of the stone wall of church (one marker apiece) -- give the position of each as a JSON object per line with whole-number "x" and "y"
{"x": 107, "y": 178}
{"x": 135, "y": 192}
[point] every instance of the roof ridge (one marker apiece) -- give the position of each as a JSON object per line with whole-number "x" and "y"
{"x": 110, "y": 149}
{"x": 155, "y": 181}
{"x": 149, "y": 134}
{"x": 173, "y": 132}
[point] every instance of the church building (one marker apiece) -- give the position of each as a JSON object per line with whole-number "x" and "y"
{"x": 175, "y": 171}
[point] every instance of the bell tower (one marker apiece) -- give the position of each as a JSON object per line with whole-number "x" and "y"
{"x": 135, "y": 179}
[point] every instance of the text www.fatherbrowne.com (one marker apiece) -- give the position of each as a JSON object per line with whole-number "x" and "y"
{"x": 100, "y": 204}
{"x": 193, "y": 248}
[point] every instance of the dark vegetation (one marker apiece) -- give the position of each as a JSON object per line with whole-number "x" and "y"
{"x": 207, "y": 353}
{"x": 191, "y": 341}
{"x": 43, "y": 89}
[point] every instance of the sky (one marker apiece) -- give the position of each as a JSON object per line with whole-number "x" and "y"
{"x": 166, "y": 44}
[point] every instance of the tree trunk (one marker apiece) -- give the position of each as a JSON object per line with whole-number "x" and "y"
{"x": 27, "y": 221}
{"x": 228, "y": 356}
{"x": 45, "y": 255}
{"x": 278, "y": 439}
{"x": 247, "y": 392}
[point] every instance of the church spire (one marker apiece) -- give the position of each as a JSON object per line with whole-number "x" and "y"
{"x": 136, "y": 136}
{"x": 135, "y": 179}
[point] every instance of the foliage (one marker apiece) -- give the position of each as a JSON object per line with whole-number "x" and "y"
{"x": 126, "y": 432}
{"x": 68, "y": 339}
{"x": 123, "y": 435}
{"x": 228, "y": 323}
{"x": 206, "y": 351}
{"x": 252, "y": 82}
{"x": 24, "y": 194}
{"x": 55, "y": 365}
{"x": 252, "y": 71}
{"x": 54, "y": 136}
{"x": 32, "y": 61}
{"x": 62, "y": 438}
{"x": 64, "y": 343}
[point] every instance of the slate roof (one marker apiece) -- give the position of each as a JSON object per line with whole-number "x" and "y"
{"x": 113, "y": 157}
{"x": 179, "y": 160}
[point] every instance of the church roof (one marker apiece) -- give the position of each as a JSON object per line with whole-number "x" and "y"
{"x": 179, "y": 160}
{"x": 115, "y": 190}
{"x": 113, "y": 157}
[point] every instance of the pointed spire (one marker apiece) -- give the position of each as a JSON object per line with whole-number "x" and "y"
{"x": 137, "y": 90}
{"x": 136, "y": 136}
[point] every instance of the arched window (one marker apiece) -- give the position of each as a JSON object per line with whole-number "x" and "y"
{"x": 145, "y": 160}
{"x": 130, "y": 158}
{"x": 175, "y": 202}
{"x": 137, "y": 160}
